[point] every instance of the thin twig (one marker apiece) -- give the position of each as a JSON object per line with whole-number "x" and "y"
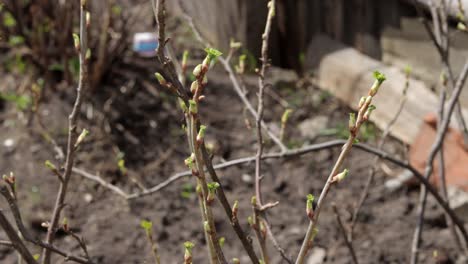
{"x": 101, "y": 181}
{"x": 28, "y": 237}
{"x": 6, "y": 243}
{"x": 342, "y": 228}
{"x": 317, "y": 147}
{"x": 16, "y": 241}
{"x": 196, "y": 162}
{"x": 82, "y": 47}
{"x": 227, "y": 207}
{"x": 238, "y": 88}
{"x": 441, "y": 131}
{"x": 262, "y": 85}
{"x": 354, "y": 127}
{"x": 373, "y": 167}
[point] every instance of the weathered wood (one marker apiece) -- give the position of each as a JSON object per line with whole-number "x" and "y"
{"x": 452, "y": 7}
{"x": 347, "y": 74}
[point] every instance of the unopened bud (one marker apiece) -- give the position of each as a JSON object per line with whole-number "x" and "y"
{"x": 88, "y": 54}
{"x": 285, "y": 116}
{"x": 194, "y": 87}
{"x": 185, "y": 59}
{"x": 253, "y": 201}
{"x": 193, "y": 109}
{"x": 251, "y": 221}
{"x": 362, "y": 101}
{"x": 369, "y": 112}
{"x": 76, "y": 41}
{"x": 189, "y": 162}
{"x": 235, "y": 209}
{"x": 201, "y": 134}
{"x": 65, "y": 224}
{"x": 352, "y": 121}
{"x": 188, "y": 251}
{"x": 88, "y": 18}
{"x": 340, "y": 176}
{"x": 182, "y": 105}
{"x": 207, "y": 226}
{"x": 197, "y": 71}
{"x": 235, "y": 261}
{"x": 222, "y": 240}
{"x": 310, "y": 206}
{"x": 160, "y": 78}
{"x": 50, "y": 165}
{"x": 461, "y": 26}
{"x": 235, "y": 45}
{"x": 379, "y": 79}
{"x": 81, "y": 137}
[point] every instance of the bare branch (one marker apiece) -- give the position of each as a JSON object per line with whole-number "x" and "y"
{"x": 28, "y": 237}
{"x": 441, "y": 131}
{"x": 17, "y": 243}
{"x": 343, "y": 231}
{"x": 82, "y": 47}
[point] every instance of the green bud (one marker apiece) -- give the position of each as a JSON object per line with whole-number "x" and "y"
{"x": 285, "y": 116}
{"x": 201, "y": 133}
{"x": 50, "y": 165}
{"x": 88, "y": 54}
{"x": 146, "y": 225}
{"x": 341, "y": 176}
{"x": 251, "y": 221}
{"x": 253, "y": 200}
{"x": 212, "y": 186}
{"x": 185, "y": 58}
{"x": 76, "y": 41}
{"x": 36, "y": 256}
{"x": 212, "y": 53}
{"x": 235, "y": 45}
{"x": 352, "y": 121}
{"x": 190, "y": 162}
{"x": 197, "y": 70}
{"x": 461, "y": 26}
{"x": 182, "y": 105}
{"x": 235, "y": 208}
{"x": 369, "y": 111}
{"x": 189, "y": 245}
{"x": 193, "y": 109}
{"x": 199, "y": 190}
{"x": 88, "y": 18}
{"x": 310, "y": 201}
{"x": 194, "y": 87}
{"x": 65, "y": 221}
{"x": 81, "y": 137}
{"x": 188, "y": 250}
{"x": 222, "y": 240}
{"x": 206, "y": 226}
{"x": 407, "y": 70}
{"x": 272, "y": 8}
{"x": 379, "y": 79}
{"x": 160, "y": 78}
{"x": 235, "y": 261}
{"x": 241, "y": 67}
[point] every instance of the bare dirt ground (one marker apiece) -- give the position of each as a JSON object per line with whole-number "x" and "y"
{"x": 131, "y": 117}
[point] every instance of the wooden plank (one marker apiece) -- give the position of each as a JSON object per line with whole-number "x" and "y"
{"x": 347, "y": 74}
